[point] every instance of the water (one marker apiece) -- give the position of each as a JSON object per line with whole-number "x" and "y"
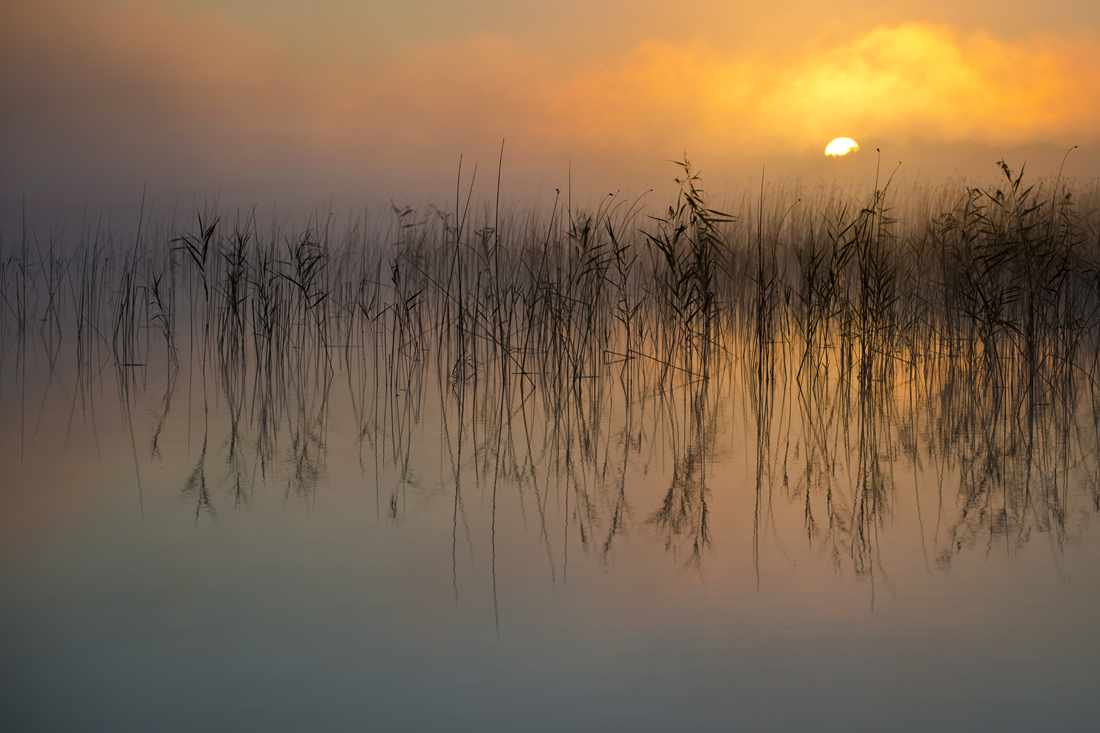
{"x": 780, "y": 471}
{"x": 390, "y": 544}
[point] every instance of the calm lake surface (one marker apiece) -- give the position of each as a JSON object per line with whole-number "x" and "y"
{"x": 189, "y": 554}
{"x": 713, "y": 478}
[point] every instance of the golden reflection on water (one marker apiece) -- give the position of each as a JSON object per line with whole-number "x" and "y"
{"x": 753, "y": 457}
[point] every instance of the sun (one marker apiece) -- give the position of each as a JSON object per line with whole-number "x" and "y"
{"x": 841, "y": 146}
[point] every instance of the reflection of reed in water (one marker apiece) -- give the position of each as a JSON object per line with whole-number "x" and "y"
{"x": 989, "y": 462}
{"x": 1022, "y": 455}
{"x": 260, "y": 413}
{"x": 683, "y": 514}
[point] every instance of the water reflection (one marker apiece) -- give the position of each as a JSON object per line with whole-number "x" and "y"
{"x": 989, "y": 460}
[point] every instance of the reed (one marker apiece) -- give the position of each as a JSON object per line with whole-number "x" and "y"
{"x": 850, "y": 303}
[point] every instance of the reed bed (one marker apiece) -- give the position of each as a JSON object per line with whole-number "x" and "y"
{"x": 1006, "y": 277}
{"x": 972, "y": 323}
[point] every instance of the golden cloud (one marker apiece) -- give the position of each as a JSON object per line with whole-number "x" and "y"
{"x": 201, "y": 79}
{"x": 912, "y": 80}
{"x": 928, "y": 81}
{"x": 892, "y": 83}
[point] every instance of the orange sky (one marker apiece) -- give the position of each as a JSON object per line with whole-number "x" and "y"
{"x": 274, "y": 100}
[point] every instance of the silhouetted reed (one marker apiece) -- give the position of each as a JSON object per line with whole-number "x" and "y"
{"x": 565, "y": 346}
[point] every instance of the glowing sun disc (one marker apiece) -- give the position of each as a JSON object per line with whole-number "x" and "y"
{"x": 841, "y": 146}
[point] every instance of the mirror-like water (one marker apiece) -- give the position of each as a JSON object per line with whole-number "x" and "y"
{"x": 599, "y": 488}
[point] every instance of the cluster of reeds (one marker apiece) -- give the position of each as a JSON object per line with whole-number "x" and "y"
{"x": 847, "y": 301}
{"x": 1008, "y": 277}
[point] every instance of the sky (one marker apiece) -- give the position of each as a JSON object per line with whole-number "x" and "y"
{"x": 298, "y": 104}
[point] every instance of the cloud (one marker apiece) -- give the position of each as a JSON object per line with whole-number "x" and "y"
{"x": 928, "y": 81}
{"x": 900, "y": 82}
{"x": 138, "y": 87}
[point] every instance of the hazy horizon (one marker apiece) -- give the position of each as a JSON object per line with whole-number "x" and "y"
{"x": 277, "y": 105}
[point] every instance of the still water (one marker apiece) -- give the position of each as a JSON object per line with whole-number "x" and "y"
{"x": 381, "y": 544}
